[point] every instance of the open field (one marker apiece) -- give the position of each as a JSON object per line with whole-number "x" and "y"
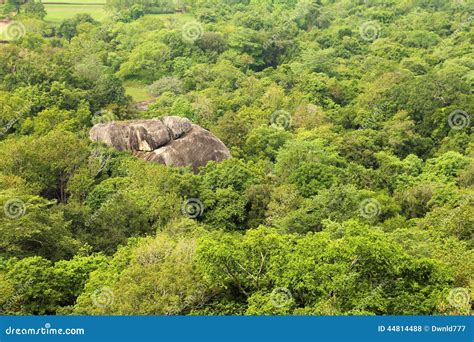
{"x": 57, "y": 13}
{"x": 75, "y": 1}
{"x": 59, "y": 10}
{"x": 137, "y": 91}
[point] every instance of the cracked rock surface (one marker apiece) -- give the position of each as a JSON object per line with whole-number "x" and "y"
{"x": 172, "y": 140}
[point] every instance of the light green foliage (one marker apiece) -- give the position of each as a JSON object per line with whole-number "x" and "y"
{"x": 42, "y": 287}
{"x": 34, "y": 9}
{"x": 264, "y": 142}
{"x": 349, "y": 190}
{"x": 48, "y": 161}
{"x": 147, "y": 62}
{"x": 321, "y": 273}
{"x": 150, "y": 276}
{"x": 31, "y": 225}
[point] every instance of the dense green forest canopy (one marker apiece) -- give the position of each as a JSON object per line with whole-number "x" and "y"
{"x": 350, "y": 190}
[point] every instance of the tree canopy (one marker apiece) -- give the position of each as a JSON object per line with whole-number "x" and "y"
{"x": 351, "y": 184}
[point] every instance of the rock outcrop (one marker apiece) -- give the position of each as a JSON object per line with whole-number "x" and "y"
{"x": 171, "y": 140}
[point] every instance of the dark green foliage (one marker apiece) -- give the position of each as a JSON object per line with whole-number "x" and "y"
{"x": 349, "y": 190}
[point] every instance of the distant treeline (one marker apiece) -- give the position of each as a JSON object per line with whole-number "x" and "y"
{"x": 164, "y": 6}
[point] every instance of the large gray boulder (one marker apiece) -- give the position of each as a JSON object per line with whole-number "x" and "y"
{"x": 171, "y": 141}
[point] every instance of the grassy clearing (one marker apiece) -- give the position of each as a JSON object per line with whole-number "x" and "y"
{"x": 65, "y": 9}
{"x": 137, "y": 91}
{"x": 76, "y": 1}
{"x": 57, "y": 13}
